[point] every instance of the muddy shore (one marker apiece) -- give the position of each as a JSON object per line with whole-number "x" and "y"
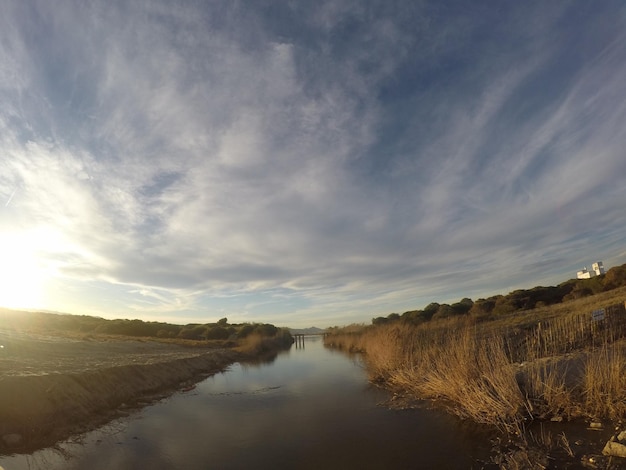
{"x": 54, "y": 387}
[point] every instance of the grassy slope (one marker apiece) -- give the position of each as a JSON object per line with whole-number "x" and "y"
{"x": 505, "y": 370}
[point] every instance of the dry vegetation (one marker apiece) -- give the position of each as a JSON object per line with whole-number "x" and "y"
{"x": 505, "y": 371}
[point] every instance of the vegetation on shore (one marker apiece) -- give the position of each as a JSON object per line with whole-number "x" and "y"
{"x": 220, "y": 333}
{"x": 521, "y": 300}
{"x": 548, "y": 360}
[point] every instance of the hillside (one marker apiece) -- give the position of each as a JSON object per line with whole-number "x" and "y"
{"x": 516, "y": 301}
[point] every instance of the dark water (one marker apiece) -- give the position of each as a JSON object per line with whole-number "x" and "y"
{"x": 311, "y": 408}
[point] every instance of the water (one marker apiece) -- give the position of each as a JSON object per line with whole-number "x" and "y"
{"x": 310, "y": 408}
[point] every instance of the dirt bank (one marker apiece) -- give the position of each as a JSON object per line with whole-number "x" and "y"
{"x": 51, "y": 388}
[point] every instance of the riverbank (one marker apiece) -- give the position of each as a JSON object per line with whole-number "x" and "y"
{"x": 551, "y": 365}
{"x": 52, "y": 387}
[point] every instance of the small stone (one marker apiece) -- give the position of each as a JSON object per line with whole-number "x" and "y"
{"x": 621, "y": 436}
{"x": 595, "y": 425}
{"x": 614, "y": 449}
{"x": 12, "y": 439}
{"x": 556, "y": 419}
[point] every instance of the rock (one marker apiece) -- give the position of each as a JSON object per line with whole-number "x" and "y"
{"x": 12, "y": 439}
{"x": 614, "y": 449}
{"x": 621, "y": 436}
{"x": 595, "y": 425}
{"x": 591, "y": 461}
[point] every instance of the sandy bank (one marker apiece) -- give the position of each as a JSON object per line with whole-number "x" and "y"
{"x": 52, "y": 387}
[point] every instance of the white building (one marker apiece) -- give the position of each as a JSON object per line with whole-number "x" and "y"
{"x": 597, "y": 268}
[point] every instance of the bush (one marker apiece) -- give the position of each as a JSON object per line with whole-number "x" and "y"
{"x": 483, "y": 307}
{"x": 192, "y": 332}
{"x": 245, "y": 331}
{"x": 414, "y": 317}
{"x": 265, "y": 329}
{"x": 444, "y": 311}
{"x": 462, "y": 307}
{"x": 615, "y": 277}
{"x": 430, "y": 310}
{"x": 504, "y": 305}
{"x": 217, "y": 332}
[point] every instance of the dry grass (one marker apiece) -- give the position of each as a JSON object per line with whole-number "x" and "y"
{"x": 257, "y": 344}
{"x": 253, "y": 344}
{"x": 446, "y": 361}
{"x": 604, "y": 382}
{"x": 505, "y": 371}
{"x": 546, "y": 384}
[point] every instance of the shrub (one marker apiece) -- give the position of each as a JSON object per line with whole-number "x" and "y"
{"x": 217, "y": 332}
{"x": 192, "y": 332}
{"x": 483, "y": 307}
{"x": 266, "y": 329}
{"x": 414, "y": 317}
{"x": 245, "y": 331}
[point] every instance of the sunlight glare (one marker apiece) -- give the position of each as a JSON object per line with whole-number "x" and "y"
{"x": 23, "y": 271}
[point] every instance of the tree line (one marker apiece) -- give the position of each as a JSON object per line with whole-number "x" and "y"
{"x": 518, "y": 300}
{"x": 220, "y": 330}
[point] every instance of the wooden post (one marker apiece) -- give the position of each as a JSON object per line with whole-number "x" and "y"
{"x": 299, "y": 340}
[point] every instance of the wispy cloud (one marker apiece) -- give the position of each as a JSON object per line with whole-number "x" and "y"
{"x": 351, "y": 161}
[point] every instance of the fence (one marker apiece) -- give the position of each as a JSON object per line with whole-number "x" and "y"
{"x": 567, "y": 334}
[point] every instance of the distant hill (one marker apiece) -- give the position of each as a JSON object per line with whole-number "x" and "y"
{"x": 306, "y": 331}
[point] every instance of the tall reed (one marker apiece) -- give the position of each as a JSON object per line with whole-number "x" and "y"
{"x": 497, "y": 374}
{"x": 604, "y": 382}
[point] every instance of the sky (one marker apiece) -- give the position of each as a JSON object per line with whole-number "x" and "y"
{"x": 305, "y": 163}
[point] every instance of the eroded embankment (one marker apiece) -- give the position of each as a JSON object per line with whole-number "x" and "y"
{"x": 40, "y": 410}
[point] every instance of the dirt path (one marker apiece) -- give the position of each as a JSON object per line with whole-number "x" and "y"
{"x": 53, "y": 387}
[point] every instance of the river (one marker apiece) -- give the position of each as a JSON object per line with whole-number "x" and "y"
{"x": 309, "y": 408}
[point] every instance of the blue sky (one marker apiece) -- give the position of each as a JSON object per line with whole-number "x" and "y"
{"x": 305, "y": 163}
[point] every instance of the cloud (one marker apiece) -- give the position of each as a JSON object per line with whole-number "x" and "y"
{"x": 346, "y": 159}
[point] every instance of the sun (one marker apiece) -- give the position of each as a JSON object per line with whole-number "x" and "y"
{"x": 23, "y": 272}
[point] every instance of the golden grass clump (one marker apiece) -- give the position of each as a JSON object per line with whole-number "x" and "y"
{"x": 604, "y": 381}
{"x": 473, "y": 375}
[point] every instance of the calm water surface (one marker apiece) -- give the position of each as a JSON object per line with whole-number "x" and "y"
{"x": 311, "y": 408}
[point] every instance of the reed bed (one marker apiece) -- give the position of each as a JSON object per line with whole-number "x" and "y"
{"x": 604, "y": 382}
{"x": 495, "y": 373}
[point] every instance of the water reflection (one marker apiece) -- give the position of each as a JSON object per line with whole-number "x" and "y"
{"x": 308, "y": 408}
